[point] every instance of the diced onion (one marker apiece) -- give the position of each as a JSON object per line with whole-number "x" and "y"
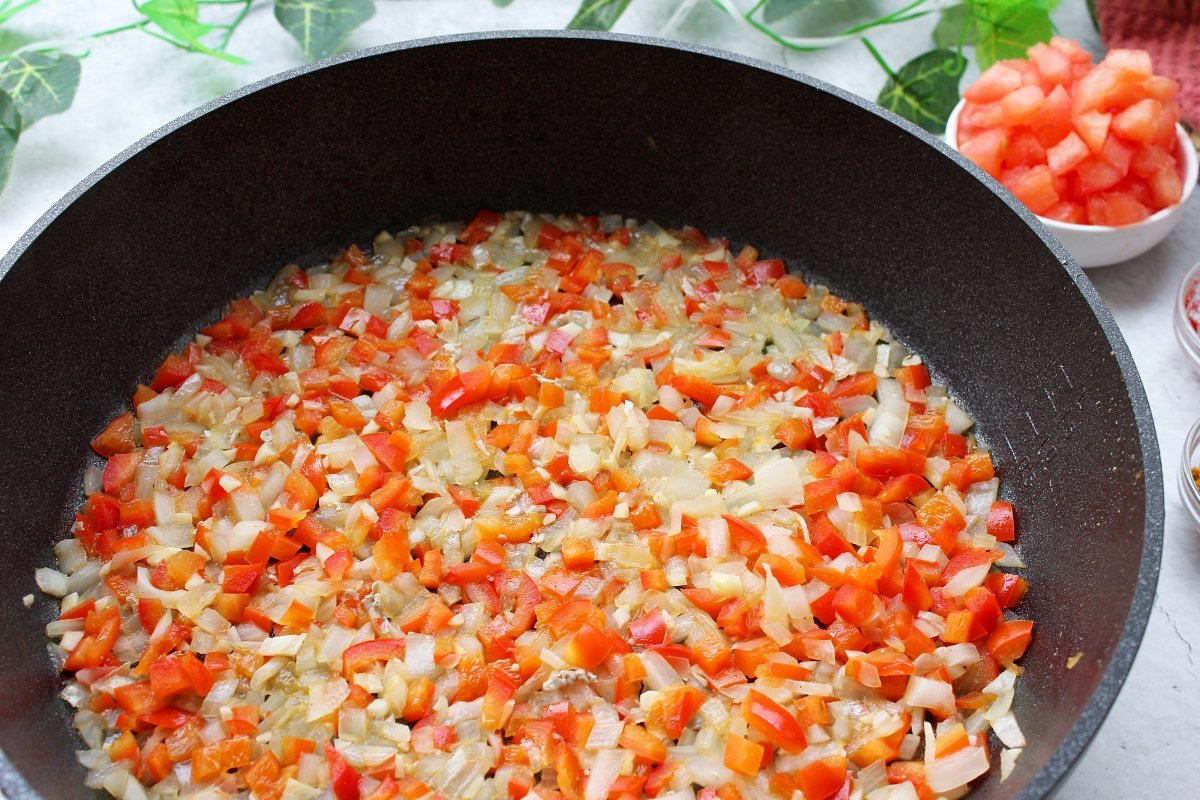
{"x": 777, "y": 484}
{"x": 966, "y": 579}
{"x": 659, "y": 674}
{"x": 326, "y": 697}
{"x": 1008, "y": 731}
{"x": 1008, "y": 760}
{"x": 931, "y": 694}
{"x": 287, "y": 645}
{"x": 957, "y": 420}
{"x": 607, "y": 728}
{"x": 51, "y": 581}
{"x": 957, "y": 769}
{"x": 873, "y": 776}
{"x": 419, "y": 654}
{"x": 896, "y": 791}
{"x": 605, "y": 770}
{"x": 715, "y": 531}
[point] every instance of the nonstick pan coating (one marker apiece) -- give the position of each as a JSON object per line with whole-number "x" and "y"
{"x": 153, "y": 244}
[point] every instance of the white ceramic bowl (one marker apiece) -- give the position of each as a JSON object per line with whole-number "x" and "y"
{"x": 1103, "y": 245}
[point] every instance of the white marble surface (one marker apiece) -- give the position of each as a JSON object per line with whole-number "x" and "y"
{"x": 131, "y": 85}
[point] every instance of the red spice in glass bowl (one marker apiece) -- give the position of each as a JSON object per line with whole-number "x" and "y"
{"x": 1187, "y": 316}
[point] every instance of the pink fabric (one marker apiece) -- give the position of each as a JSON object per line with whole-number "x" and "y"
{"x": 1169, "y": 30}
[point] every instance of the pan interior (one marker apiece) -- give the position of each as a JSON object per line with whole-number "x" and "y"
{"x": 590, "y": 124}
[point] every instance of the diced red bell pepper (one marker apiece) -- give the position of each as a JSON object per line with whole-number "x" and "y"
{"x": 360, "y": 656}
{"x": 1010, "y": 640}
{"x": 588, "y": 647}
{"x": 343, "y": 778}
{"x": 480, "y": 228}
{"x": 678, "y": 705}
{"x": 117, "y": 437}
{"x": 1001, "y": 523}
{"x": 773, "y": 722}
{"x": 518, "y": 596}
{"x": 461, "y": 390}
{"x": 500, "y": 690}
{"x": 649, "y": 629}
{"x": 101, "y": 629}
{"x": 120, "y": 471}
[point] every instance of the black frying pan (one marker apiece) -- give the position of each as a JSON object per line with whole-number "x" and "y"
{"x": 151, "y": 246}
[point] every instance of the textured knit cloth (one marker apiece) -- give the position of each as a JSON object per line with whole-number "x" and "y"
{"x": 1170, "y": 31}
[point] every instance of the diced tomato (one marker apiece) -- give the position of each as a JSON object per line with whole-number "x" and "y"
{"x": 1067, "y": 154}
{"x": 987, "y": 149}
{"x": 1052, "y": 64}
{"x": 995, "y": 83}
{"x": 1020, "y": 105}
{"x": 760, "y": 273}
{"x": 1115, "y": 209}
{"x": 1053, "y": 120}
{"x": 1166, "y": 188}
{"x": 1082, "y": 122}
{"x": 120, "y": 471}
{"x": 1151, "y": 160}
{"x": 1092, "y": 127}
{"x": 1033, "y": 186}
{"x": 1024, "y": 150}
{"x": 176, "y": 369}
{"x": 1139, "y": 122}
{"x": 1066, "y": 211}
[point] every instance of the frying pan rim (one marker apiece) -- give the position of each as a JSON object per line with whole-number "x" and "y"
{"x": 1045, "y": 782}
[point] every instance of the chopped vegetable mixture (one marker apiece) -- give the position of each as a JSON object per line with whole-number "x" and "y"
{"x": 547, "y": 507}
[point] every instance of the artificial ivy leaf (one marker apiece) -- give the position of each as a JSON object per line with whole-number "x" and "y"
{"x": 180, "y": 21}
{"x": 1007, "y": 28}
{"x": 598, "y": 15}
{"x": 40, "y": 84}
{"x": 776, "y": 10}
{"x": 925, "y": 90}
{"x": 10, "y": 131}
{"x": 320, "y": 27}
{"x": 8, "y": 10}
{"x": 955, "y": 22}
